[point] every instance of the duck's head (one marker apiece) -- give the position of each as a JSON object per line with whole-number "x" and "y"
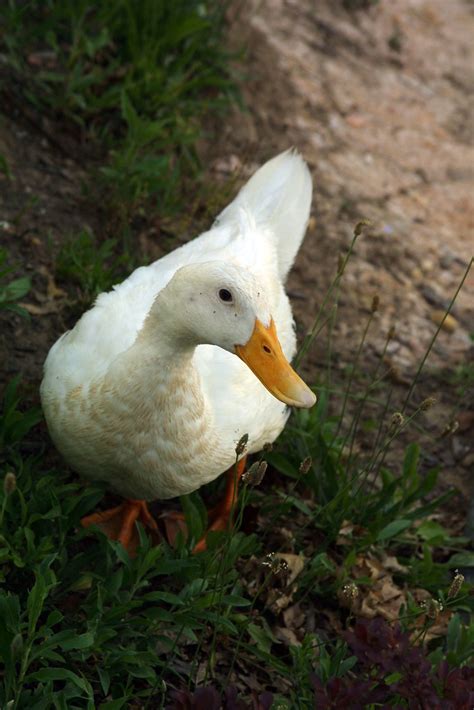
{"x": 215, "y": 303}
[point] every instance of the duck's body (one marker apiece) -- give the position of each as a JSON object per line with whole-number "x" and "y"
{"x": 132, "y": 396}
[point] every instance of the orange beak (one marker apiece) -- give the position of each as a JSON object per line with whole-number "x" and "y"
{"x": 264, "y": 356}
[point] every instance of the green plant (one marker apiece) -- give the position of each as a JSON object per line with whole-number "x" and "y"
{"x": 138, "y": 75}
{"x": 12, "y": 291}
{"x": 92, "y": 265}
{"x": 15, "y": 423}
{"x": 83, "y": 625}
{"x": 5, "y": 167}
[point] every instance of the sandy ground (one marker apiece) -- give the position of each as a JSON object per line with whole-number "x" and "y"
{"x": 380, "y": 103}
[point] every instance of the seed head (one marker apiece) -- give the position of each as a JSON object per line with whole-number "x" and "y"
{"x": 256, "y": 472}
{"x": 276, "y": 564}
{"x": 396, "y": 421}
{"x": 9, "y": 483}
{"x": 360, "y": 226}
{"x": 456, "y": 585}
{"x": 242, "y": 444}
{"x": 391, "y": 333}
{"x": 305, "y": 465}
{"x": 433, "y": 608}
{"x": 450, "y": 428}
{"x": 349, "y": 594}
{"x": 375, "y": 304}
{"x": 427, "y": 403}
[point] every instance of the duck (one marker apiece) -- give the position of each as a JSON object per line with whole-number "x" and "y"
{"x": 152, "y": 389}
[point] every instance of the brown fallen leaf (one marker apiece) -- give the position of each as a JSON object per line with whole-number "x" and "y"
{"x": 347, "y": 532}
{"x": 294, "y": 616}
{"x": 382, "y": 597}
{"x": 53, "y": 290}
{"x": 283, "y": 589}
{"x": 391, "y": 564}
{"x": 286, "y": 635}
{"x": 295, "y": 564}
{"x": 278, "y": 600}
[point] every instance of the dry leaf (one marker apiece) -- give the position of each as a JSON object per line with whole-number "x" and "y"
{"x": 295, "y": 564}
{"x": 286, "y": 635}
{"x": 294, "y": 616}
{"x": 53, "y": 290}
{"x": 278, "y": 600}
{"x": 348, "y": 531}
{"x": 382, "y": 597}
{"x": 281, "y": 595}
{"x": 44, "y": 310}
{"x": 391, "y": 564}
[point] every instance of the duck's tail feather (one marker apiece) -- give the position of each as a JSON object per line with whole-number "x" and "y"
{"x": 278, "y": 197}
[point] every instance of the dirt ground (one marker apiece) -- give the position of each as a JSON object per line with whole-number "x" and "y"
{"x": 379, "y": 102}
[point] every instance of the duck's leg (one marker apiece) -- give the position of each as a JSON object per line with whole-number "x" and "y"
{"x": 218, "y": 517}
{"x": 119, "y": 523}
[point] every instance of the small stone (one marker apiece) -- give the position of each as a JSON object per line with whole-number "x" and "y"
{"x": 459, "y": 448}
{"x": 468, "y": 461}
{"x": 355, "y": 120}
{"x": 465, "y": 420}
{"x": 449, "y": 324}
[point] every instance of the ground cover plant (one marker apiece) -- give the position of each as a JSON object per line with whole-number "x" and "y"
{"x": 130, "y": 84}
{"x": 334, "y": 541}
{"x": 339, "y": 585}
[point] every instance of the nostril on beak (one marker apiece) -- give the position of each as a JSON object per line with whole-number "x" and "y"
{"x": 267, "y": 349}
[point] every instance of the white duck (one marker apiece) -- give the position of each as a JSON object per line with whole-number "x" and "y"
{"x": 155, "y": 385}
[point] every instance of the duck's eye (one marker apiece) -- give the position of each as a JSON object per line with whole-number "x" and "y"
{"x": 225, "y": 295}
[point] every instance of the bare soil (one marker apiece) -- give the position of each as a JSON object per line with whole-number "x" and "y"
{"x": 380, "y": 103}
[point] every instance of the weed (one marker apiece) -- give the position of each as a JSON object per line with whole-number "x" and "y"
{"x": 83, "y": 625}
{"x": 139, "y": 76}
{"x": 5, "y": 167}
{"x": 12, "y": 291}
{"x": 94, "y": 267}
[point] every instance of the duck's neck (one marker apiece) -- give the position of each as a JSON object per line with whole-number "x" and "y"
{"x": 162, "y": 368}
{"x": 164, "y": 388}
{"x": 170, "y": 407}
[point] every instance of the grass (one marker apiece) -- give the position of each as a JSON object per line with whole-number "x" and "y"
{"x": 82, "y": 625}
{"x": 139, "y": 76}
{"x": 92, "y": 266}
{"x": 128, "y": 85}
{"x": 12, "y": 290}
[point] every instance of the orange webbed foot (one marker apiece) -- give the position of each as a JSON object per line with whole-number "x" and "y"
{"x": 119, "y": 523}
{"x": 219, "y": 517}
